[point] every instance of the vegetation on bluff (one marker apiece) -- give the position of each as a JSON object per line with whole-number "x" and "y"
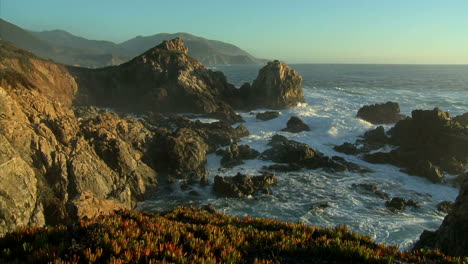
{"x": 193, "y": 235}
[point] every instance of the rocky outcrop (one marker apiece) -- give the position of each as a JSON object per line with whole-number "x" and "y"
{"x": 277, "y": 86}
{"x": 243, "y": 185}
{"x": 462, "y": 119}
{"x": 451, "y": 236}
{"x": 380, "y": 113}
{"x": 268, "y": 115}
{"x": 426, "y": 144}
{"x": 299, "y": 155}
{"x": 234, "y": 155}
{"x": 399, "y": 204}
{"x": 163, "y": 79}
{"x": 295, "y": 125}
{"x": 88, "y": 206}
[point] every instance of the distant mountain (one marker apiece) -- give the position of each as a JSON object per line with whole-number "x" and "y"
{"x": 66, "y": 48}
{"x": 58, "y": 46}
{"x": 209, "y": 52}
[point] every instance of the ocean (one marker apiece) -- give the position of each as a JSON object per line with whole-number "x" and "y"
{"x": 333, "y": 95}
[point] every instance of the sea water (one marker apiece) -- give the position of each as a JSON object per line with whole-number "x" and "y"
{"x": 333, "y": 95}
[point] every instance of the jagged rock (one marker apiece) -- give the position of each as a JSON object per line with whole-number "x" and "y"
{"x": 445, "y": 207}
{"x": 183, "y": 153}
{"x": 426, "y": 170}
{"x": 300, "y": 155}
{"x": 372, "y": 188}
{"x": 429, "y": 137}
{"x": 295, "y": 125}
{"x": 243, "y": 185}
{"x": 451, "y": 236}
{"x": 163, "y": 79}
{"x": 277, "y": 86}
{"x": 235, "y": 154}
{"x": 380, "y": 113}
{"x": 399, "y": 204}
{"x": 86, "y": 206}
{"x": 452, "y": 165}
{"x": 461, "y": 119}
{"x": 268, "y": 115}
{"x": 376, "y": 136}
{"x": 347, "y": 148}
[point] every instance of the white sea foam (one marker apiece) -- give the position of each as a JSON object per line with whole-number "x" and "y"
{"x": 330, "y": 113}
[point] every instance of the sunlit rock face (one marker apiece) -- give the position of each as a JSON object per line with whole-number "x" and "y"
{"x": 277, "y": 86}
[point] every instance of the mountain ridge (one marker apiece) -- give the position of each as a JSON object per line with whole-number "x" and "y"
{"x": 67, "y": 48}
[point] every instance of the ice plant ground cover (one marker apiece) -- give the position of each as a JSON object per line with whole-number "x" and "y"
{"x": 194, "y": 235}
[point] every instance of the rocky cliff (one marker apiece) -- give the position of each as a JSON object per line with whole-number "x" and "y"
{"x": 49, "y": 154}
{"x": 163, "y": 79}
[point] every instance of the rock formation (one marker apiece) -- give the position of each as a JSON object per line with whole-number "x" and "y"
{"x": 295, "y": 125}
{"x": 163, "y": 79}
{"x": 268, "y": 115}
{"x": 380, "y": 113}
{"x": 243, "y": 185}
{"x": 234, "y": 155}
{"x": 277, "y": 86}
{"x": 451, "y": 236}
{"x": 428, "y": 143}
{"x": 299, "y": 155}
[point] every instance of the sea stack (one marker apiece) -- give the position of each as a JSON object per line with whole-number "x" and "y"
{"x": 277, "y": 86}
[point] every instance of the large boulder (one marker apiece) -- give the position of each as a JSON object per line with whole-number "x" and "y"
{"x": 234, "y": 155}
{"x": 380, "y": 113}
{"x": 267, "y": 115}
{"x": 277, "y": 86}
{"x": 243, "y": 185}
{"x": 295, "y": 125}
{"x": 451, "y": 236}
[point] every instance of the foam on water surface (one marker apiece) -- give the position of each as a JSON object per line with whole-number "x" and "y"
{"x": 330, "y": 112}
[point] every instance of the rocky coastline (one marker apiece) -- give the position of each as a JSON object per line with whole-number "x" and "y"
{"x": 70, "y": 150}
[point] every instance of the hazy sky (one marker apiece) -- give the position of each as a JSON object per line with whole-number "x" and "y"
{"x": 327, "y": 31}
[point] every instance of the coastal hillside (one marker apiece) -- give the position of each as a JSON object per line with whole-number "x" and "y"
{"x": 208, "y": 52}
{"x": 193, "y": 235}
{"x": 64, "y": 47}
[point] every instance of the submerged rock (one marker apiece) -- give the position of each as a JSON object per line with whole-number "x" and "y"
{"x": 243, "y": 185}
{"x": 372, "y": 188}
{"x": 268, "y": 115}
{"x": 295, "y": 125}
{"x": 380, "y": 113}
{"x": 399, "y": 204}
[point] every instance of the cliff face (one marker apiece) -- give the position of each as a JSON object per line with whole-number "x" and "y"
{"x": 49, "y": 155}
{"x": 163, "y": 79}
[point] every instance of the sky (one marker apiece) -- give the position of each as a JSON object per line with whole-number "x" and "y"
{"x": 294, "y": 31}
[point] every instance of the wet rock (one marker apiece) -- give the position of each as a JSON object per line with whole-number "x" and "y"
{"x": 372, "y": 188}
{"x": 300, "y": 155}
{"x": 376, "y": 136}
{"x": 347, "y": 148}
{"x": 295, "y": 125}
{"x": 462, "y": 119}
{"x": 277, "y": 86}
{"x": 283, "y": 168}
{"x": 268, "y": 115}
{"x": 426, "y": 170}
{"x": 183, "y": 153}
{"x": 234, "y": 155}
{"x": 319, "y": 206}
{"x": 380, "y": 113}
{"x": 452, "y": 165}
{"x": 399, "y": 204}
{"x": 243, "y": 185}
{"x": 451, "y": 236}
{"x": 194, "y": 193}
{"x": 445, "y": 207}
